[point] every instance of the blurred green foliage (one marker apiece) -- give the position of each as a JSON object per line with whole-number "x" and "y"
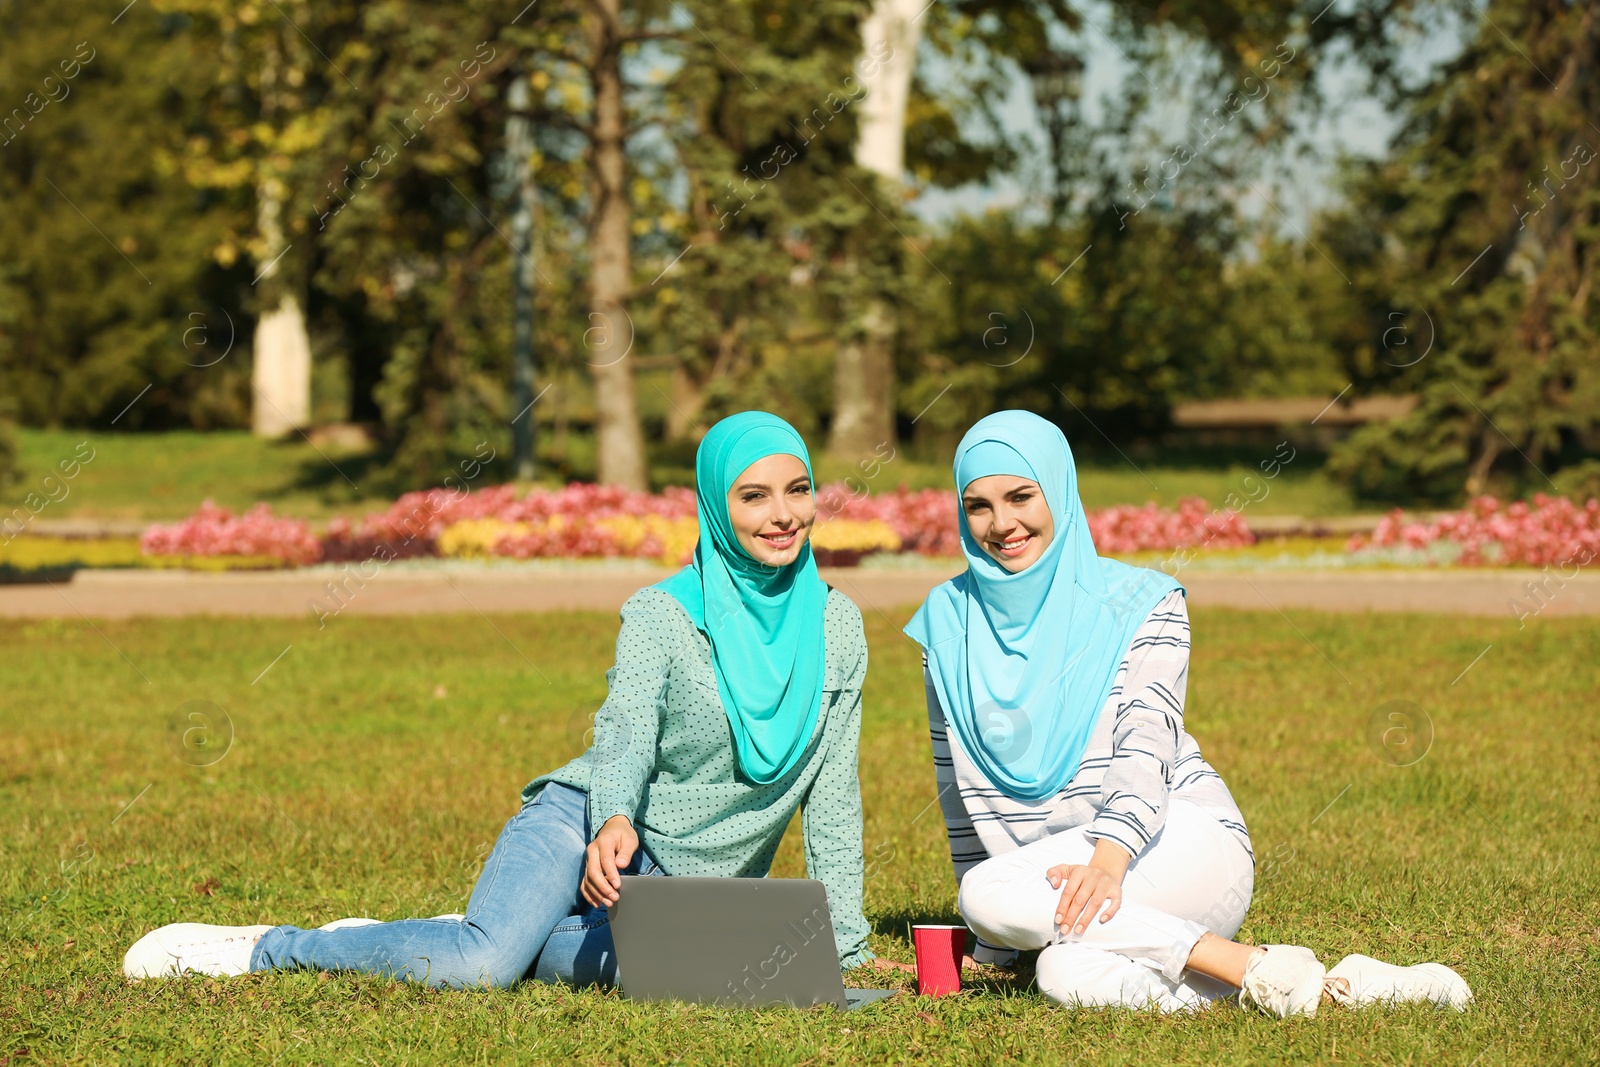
{"x": 1477, "y": 241}
{"x": 141, "y": 155}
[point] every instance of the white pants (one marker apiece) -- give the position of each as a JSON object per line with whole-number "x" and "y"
{"x": 1194, "y": 877}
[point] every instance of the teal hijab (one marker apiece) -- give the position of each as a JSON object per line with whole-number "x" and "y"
{"x": 764, "y": 623}
{"x": 1023, "y": 663}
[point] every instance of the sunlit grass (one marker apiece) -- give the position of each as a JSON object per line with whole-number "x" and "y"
{"x": 369, "y": 767}
{"x": 167, "y": 475}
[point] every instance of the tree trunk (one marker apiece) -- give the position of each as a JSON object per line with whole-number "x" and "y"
{"x": 863, "y": 381}
{"x": 688, "y": 395}
{"x": 609, "y": 339}
{"x": 863, "y": 386}
{"x": 281, "y": 375}
{"x": 519, "y": 149}
{"x": 1478, "y": 473}
{"x": 889, "y": 38}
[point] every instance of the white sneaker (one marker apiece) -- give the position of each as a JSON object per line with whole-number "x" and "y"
{"x": 198, "y": 947}
{"x": 1356, "y": 981}
{"x": 1284, "y": 980}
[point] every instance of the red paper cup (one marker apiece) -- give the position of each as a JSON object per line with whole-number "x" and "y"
{"x": 939, "y": 950}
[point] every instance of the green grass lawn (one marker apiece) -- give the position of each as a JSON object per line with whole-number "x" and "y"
{"x": 369, "y": 768}
{"x": 167, "y": 475}
{"x": 163, "y": 476}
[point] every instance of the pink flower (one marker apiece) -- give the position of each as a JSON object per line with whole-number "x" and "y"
{"x": 575, "y": 522}
{"x": 926, "y": 522}
{"x": 1550, "y": 530}
{"x": 1127, "y": 528}
{"x": 215, "y": 531}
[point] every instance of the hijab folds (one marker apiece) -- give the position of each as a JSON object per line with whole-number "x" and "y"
{"x": 1023, "y": 663}
{"x": 764, "y": 623}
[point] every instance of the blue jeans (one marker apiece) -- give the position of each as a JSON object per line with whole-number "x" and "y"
{"x": 525, "y": 919}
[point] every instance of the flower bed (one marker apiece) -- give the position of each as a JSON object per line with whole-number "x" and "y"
{"x": 603, "y": 522}
{"x": 923, "y": 520}
{"x": 1553, "y": 530}
{"x": 573, "y": 537}
{"x": 600, "y": 522}
{"x": 429, "y": 513}
{"x": 846, "y": 542}
{"x": 1194, "y": 524}
{"x": 216, "y": 531}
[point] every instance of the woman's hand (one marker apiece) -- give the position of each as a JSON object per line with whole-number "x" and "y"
{"x": 878, "y": 963}
{"x": 1086, "y": 886}
{"x": 609, "y": 853}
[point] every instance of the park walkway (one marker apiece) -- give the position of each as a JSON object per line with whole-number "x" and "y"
{"x": 112, "y": 594}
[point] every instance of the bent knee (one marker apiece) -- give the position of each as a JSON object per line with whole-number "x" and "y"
{"x": 1075, "y": 977}
{"x": 1060, "y": 977}
{"x": 975, "y": 901}
{"x": 486, "y": 971}
{"x": 1056, "y": 979}
{"x": 480, "y": 963}
{"x": 989, "y": 909}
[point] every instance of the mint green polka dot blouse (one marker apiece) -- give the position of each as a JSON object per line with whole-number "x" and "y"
{"x": 663, "y": 756}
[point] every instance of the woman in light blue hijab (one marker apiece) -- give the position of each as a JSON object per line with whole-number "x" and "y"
{"x": 1034, "y": 648}
{"x": 735, "y": 701}
{"x": 1082, "y": 819}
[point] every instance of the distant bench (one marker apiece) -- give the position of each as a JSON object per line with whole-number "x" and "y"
{"x": 1288, "y": 411}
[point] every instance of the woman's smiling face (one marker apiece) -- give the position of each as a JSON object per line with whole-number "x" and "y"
{"x": 771, "y": 509}
{"x": 1009, "y": 519}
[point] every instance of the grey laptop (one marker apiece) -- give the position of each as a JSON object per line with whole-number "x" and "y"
{"x": 743, "y": 942}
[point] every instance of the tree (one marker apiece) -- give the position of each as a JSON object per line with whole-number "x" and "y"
{"x": 1485, "y": 224}
{"x": 119, "y": 286}
{"x": 620, "y": 440}
{"x": 781, "y": 242}
{"x": 599, "y": 43}
{"x": 864, "y": 408}
{"x": 274, "y": 101}
{"x": 1104, "y": 348}
{"x": 411, "y": 276}
{"x": 989, "y": 37}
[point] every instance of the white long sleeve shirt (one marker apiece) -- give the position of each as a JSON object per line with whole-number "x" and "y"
{"x": 1138, "y": 757}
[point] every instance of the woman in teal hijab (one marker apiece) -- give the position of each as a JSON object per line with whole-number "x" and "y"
{"x": 1082, "y": 819}
{"x": 734, "y": 701}
{"x": 763, "y": 622}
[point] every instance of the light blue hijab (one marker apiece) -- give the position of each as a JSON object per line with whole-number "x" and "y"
{"x": 1023, "y": 663}
{"x": 764, "y": 623}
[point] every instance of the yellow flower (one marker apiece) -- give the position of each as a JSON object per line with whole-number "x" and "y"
{"x": 676, "y": 536}
{"x": 476, "y": 538}
{"x": 850, "y": 535}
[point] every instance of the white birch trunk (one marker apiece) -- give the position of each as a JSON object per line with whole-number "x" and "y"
{"x": 282, "y": 374}
{"x": 863, "y": 380}
{"x": 280, "y": 378}
{"x": 889, "y": 38}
